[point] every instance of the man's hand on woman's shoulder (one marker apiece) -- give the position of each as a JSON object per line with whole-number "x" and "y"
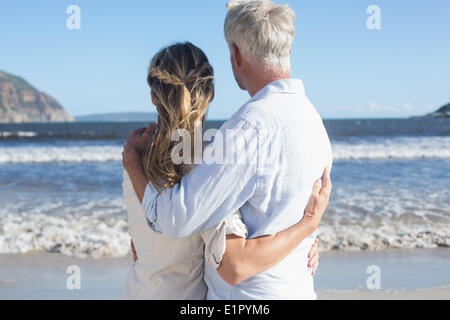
{"x": 141, "y": 138}
{"x": 137, "y": 142}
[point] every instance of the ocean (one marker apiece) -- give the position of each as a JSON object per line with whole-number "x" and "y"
{"x": 60, "y": 187}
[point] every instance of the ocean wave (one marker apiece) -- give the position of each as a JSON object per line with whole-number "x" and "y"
{"x": 85, "y": 236}
{"x": 37, "y": 154}
{"x": 396, "y": 148}
{"x": 17, "y": 134}
{"x": 106, "y": 236}
{"x": 387, "y": 235}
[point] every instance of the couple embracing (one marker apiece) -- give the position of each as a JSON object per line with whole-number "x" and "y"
{"x": 239, "y": 229}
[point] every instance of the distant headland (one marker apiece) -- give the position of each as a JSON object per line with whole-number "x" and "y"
{"x": 21, "y": 102}
{"x": 442, "y": 112}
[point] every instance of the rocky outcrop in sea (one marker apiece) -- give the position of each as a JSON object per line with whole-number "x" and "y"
{"x": 21, "y": 102}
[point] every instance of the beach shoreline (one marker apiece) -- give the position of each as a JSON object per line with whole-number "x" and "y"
{"x": 425, "y": 294}
{"x": 405, "y": 274}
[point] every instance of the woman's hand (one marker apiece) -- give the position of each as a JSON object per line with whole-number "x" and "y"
{"x": 245, "y": 258}
{"x": 313, "y": 257}
{"x": 314, "y": 211}
{"x": 318, "y": 202}
{"x": 133, "y": 251}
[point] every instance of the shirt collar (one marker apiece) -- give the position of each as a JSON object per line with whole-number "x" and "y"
{"x": 289, "y": 86}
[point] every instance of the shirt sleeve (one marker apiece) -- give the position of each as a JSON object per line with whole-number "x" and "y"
{"x": 219, "y": 186}
{"x": 216, "y": 238}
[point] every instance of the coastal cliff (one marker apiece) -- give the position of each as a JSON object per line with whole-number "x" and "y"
{"x": 21, "y": 102}
{"x": 442, "y": 112}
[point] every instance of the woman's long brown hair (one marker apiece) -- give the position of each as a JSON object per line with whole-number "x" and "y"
{"x": 182, "y": 87}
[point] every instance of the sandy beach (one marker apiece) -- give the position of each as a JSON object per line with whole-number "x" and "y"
{"x": 429, "y": 294}
{"x": 405, "y": 274}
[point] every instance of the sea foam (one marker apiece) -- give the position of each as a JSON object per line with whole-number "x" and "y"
{"x": 85, "y": 236}
{"x": 395, "y": 148}
{"x": 100, "y": 236}
{"x": 39, "y": 154}
{"x": 17, "y": 134}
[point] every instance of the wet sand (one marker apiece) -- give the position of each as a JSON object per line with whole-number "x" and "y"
{"x": 429, "y": 294}
{"x": 404, "y": 274}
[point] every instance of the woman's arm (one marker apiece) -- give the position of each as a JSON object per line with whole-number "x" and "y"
{"x": 244, "y": 258}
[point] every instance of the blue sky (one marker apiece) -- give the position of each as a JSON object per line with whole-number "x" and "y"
{"x": 349, "y": 71}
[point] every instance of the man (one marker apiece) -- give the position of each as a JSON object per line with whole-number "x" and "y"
{"x": 274, "y": 148}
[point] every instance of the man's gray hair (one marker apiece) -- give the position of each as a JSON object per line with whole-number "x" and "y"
{"x": 262, "y": 30}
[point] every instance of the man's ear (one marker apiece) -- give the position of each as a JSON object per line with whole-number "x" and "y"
{"x": 236, "y": 54}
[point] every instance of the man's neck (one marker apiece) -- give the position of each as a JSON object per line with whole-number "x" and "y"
{"x": 255, "y": 86}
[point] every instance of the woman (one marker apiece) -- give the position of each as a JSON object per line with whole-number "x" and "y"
{"x": 181, "y": 82}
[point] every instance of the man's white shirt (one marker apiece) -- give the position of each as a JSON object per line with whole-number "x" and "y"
{"x": 273, "y": 148}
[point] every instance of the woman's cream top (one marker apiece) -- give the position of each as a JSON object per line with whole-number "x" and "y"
{"x": 172, "y": 269}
